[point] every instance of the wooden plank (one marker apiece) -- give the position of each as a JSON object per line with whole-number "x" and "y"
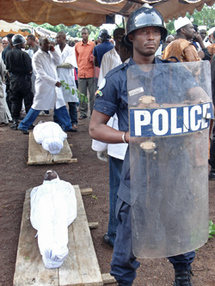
{"x": 38, "y": 156}
{"x": 93, "y": 224}
{"x": 81, "y": 266}
{"x": 108, "y": 279}
{"x": 86, "y": 191}
{"x": 29, "y": 269}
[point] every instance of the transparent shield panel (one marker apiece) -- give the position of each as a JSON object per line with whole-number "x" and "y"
{"x": 169, "y": 115}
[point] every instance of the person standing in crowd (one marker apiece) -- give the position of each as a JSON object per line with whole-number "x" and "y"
{"x": 4, "y": 42}
{"x": 211, "y": 47}
{"x": 5, "y": 115}
{"x": 66, "y": 73}
{"x": 203, "y": 31}
{"x": 48, "y": 94}
{"x": 111, "y": 58}
{"x": 8, "y": 47}
{"x": 7, "y": 80}
{"x": 32, "y": 49}
{"x": 104, "y": 46}
{"x": 84, "y": 57}
{"x": 32, "y": 45}
{"x": 209, "y": 38}
{"x": 145, "y": 29}
{"x": 18, "y": 64}
{"x": 182, "y": 48}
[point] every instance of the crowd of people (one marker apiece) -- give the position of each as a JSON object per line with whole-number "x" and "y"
{"x": 51, "y": 77}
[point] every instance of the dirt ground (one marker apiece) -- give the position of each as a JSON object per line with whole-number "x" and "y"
{"x": 16, "y": 177}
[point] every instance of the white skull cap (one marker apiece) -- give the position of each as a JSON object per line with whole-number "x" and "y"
{"x": 203, "y": 27}
{"x": 181, "y": 22}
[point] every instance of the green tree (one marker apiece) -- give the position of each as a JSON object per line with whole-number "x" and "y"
{"x": 204, "y": 17}
{"x": 72, "y": 31}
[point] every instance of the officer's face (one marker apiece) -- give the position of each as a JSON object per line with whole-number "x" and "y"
{"x": 145, "y": 41}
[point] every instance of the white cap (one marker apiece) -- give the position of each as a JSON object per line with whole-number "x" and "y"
{"x": 181, "y": 22}
{"x": 211, "y": 31}
{"x": 203, "y": 27}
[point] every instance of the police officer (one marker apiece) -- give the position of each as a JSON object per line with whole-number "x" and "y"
{"x": 145, "y": 29}
{"x": 18, "y": 64}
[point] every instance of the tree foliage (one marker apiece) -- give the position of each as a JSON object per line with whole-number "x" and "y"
{"x": 72, "y": 31}
{"x": 204, "y": 17}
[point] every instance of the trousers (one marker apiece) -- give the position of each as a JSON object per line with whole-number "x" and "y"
{"x": 115, "y": 168}
{"x": 124, "y": 263}
{"x": 20, "y": 88}
{"x": 83, "y": 85}
{"x": 61, "y": 114}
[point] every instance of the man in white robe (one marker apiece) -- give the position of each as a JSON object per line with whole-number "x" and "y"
{"x": 48, "y": 94}
{"x": 53, "y": 209}
{"x": 66, "y": 73}
{"x": 50, "y": 135}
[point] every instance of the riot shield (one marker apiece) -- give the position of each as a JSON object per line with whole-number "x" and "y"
{"x": 169, "y": 116}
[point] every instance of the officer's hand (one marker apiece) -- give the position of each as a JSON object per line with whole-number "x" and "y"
{"x": 58, "y": 84}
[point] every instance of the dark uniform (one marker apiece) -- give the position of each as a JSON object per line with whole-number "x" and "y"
{"x": 18, "y": 63}
{"x": 112, "y": 98}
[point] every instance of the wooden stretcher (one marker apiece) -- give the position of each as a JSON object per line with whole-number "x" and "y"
{"x": 80, "y": 267}
{"x": 38, "y": 156}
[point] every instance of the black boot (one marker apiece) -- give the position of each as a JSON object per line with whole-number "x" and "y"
{"x": 183, "y": 278}
{"x": 15, "y": 124}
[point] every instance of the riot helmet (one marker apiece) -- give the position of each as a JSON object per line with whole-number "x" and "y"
{"x": 145, "y": 16}
{"x": 103, "y": 35}
{"x": 17, "y": 40}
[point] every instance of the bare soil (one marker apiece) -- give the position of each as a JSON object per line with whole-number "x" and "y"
{"x": 89, "y": 172}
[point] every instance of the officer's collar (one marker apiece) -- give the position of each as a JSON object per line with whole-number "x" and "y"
{"x": 140, "y": 73}
{"x": 155, "y": 61}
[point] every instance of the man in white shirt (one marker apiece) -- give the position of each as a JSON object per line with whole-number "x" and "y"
{"x": 66, "y": 73}
{"x": 48, "y": 94}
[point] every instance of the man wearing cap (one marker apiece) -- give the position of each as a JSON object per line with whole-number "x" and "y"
{"x": 182, "y": 48}
{"x": 102, "y": 48}
{"x": 145, "y": 30}
{"x": 203, "y": 31}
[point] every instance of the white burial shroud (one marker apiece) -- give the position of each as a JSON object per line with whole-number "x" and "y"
{"x": 53, "y": 209}
{"x": 50, "y": 135}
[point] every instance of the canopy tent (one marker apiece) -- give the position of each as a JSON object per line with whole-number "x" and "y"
{"x": 179, "y": 8}
{"x": 15, "y": 28}
{"x": 83, "y": 12}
